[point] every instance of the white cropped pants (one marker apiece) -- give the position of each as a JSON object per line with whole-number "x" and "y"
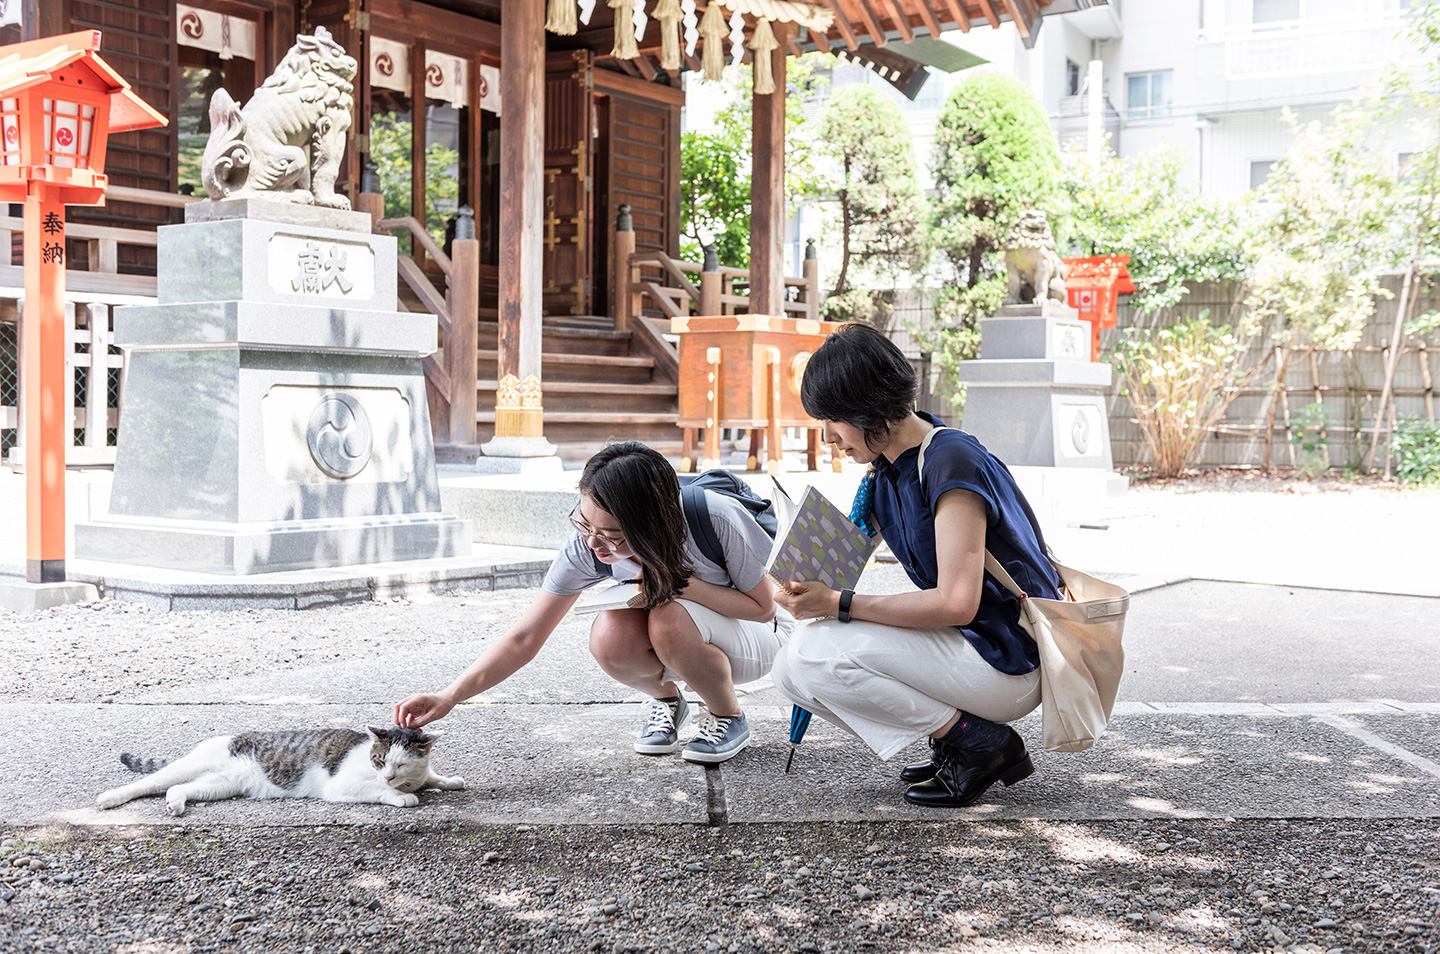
{"x": 751, "y": 646}
{"x": 892, "y": 686}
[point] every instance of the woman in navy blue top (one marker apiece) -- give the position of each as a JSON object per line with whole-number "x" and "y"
{"x": 951, "y": 662}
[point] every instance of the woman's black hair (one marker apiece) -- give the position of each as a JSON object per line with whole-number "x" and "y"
{"x": 858, "y": 377}
{"x": 637, "y": 486}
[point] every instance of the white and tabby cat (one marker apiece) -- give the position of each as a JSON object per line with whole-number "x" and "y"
{"x": 337, "y": 765}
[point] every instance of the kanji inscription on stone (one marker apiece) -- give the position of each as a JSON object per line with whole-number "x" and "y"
{"x": 319, "y": 269}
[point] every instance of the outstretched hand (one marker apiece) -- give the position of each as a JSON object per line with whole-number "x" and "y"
{"x": 421, "y": 709}
{"x": 807, "y": 599}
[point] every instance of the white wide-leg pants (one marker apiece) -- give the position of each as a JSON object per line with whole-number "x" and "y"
{"x": 892, "y": 686}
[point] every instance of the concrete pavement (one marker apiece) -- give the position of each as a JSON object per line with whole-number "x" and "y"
{"x": 1239, "y": 701}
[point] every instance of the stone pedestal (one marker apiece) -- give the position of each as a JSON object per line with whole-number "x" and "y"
{"x": 1033, "y": 397}
{"x": 275, "y": 414}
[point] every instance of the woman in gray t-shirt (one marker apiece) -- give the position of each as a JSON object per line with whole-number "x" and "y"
{"x": 709, "y": 624}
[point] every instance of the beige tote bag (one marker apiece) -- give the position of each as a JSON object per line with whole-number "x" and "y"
{"x": 1081, "y": 659}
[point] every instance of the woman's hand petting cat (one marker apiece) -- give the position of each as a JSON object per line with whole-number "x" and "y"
{"x": 807, "y": 599}
{"x": 421, "y": 709}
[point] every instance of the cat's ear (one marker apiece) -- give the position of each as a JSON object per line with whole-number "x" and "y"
{"x": 428, "y": 739}
{"x": 378, "y": 734}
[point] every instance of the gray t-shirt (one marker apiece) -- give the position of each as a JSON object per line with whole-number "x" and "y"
{"x": 745, "y": 545}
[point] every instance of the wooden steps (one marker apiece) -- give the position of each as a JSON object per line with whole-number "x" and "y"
{"x": 594, "y": 390}
{"x": 561, "y": 366}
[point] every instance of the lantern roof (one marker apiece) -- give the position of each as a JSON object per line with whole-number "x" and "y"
{"x": 1099, "y": 271}
{"x": 28, "y": 64}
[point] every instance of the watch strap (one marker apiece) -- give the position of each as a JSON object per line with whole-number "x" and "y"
{"x": 846, "y": 596}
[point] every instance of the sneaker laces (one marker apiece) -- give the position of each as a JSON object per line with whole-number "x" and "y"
{"x": 659, "y": 717}
{"x": 713, "y": 729}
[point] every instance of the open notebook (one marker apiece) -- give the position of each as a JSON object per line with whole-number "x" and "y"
{"x": 816, "y": 541}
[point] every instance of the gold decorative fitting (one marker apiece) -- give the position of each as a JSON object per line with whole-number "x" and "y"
{"x": 507, "y": 392}
{"x": 518, "y": 411}
{"x": 530, "y": 392}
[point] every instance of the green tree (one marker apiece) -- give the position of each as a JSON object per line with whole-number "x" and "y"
{"x": 883, "y": 216}
{"x": 714, "y": 198}
{"x": 1325, "y": 232}
{"x": 715, "y": 171}
{"x": 1138, "y": 207}
{"x": 390, "y": 139}
{"x": 994, "y": 156}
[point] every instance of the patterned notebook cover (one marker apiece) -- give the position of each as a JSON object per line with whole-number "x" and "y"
{"x": 819, "y": 543}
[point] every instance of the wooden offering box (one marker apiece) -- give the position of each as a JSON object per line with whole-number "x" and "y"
{"x": 744, "y": 371}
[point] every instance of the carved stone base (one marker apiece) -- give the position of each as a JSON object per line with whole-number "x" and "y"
{"x": 516, "y": 447}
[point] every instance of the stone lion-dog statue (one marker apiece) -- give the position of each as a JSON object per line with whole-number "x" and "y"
{"x": 1031, "y": 263}
{"x": 287, "y": 142}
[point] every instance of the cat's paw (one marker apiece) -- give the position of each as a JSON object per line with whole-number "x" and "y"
{"x": 175, "y": 804}
{"x": 402, "y": 799}
{"x": 111, "y": 799}
{"x": 450, "y": 783}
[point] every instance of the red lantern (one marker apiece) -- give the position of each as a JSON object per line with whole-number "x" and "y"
{"x": 59, "y": 102}
{"x": 1094, "y": 286}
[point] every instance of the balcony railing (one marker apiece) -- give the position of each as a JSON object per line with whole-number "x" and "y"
{"x": 1308, "y": 47}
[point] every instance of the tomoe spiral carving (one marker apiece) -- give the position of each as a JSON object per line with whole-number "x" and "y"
{"x": 339, "y": 436}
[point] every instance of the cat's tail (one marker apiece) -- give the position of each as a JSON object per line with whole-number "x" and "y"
{"x": 144, "y": 766}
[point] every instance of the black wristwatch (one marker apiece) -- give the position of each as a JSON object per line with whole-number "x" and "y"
{"x": 845, "y": 597}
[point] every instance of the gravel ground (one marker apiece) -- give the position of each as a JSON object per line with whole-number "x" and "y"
{"x": 1022, "y": 886}
{"x": 91, "y": 652}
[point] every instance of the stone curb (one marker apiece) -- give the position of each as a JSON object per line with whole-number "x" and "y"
{"x": 306, "y": 589}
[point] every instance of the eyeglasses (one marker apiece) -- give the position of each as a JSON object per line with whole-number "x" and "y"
{"x": 590, "y": 532}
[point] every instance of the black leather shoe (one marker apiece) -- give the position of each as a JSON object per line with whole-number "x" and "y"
{"x": 920, "y": 771}
{"x": 962, "y": 777}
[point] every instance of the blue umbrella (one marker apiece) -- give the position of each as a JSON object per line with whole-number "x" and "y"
{"x": 799, "y": 722}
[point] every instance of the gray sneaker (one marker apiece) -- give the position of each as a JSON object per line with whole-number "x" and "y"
{"x": 720, "y": 738}
{"x": 661, "y": 733}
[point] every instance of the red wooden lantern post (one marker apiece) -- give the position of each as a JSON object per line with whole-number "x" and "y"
{"x": 1094, "y": 286}
{"x": 58, "y": 104}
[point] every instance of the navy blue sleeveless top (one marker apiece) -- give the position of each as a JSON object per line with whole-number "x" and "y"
{"x": 905, "y": 512}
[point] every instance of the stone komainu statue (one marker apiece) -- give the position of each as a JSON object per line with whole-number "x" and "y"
{"x": 1034, "y": 269}
{"x": 287, "y": 142}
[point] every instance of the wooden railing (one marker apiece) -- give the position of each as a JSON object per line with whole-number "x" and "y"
{"x": 451, "y": 373}
{"x": 655, "y": 280}
{"x": 102, "y": 281}
{"x": 683, "y": 297}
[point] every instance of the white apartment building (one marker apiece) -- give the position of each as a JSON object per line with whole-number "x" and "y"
{"x": 1211, "y": 77}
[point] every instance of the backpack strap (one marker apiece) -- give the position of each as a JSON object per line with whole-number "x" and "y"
{"x": 702, "y": 528}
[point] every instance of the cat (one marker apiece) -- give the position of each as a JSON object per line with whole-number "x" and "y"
{"x": 337, "y": 765}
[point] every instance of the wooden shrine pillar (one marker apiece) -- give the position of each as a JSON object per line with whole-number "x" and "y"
{"x": 767, "y": 190}
{"x": 518, "y": 410}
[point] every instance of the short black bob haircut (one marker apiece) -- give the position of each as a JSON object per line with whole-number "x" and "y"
{"x": 858, "y": 377}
